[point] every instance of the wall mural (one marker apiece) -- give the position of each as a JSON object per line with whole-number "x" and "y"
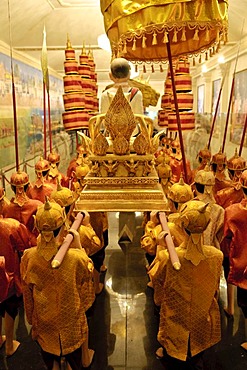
{"x": 239, "y": 107}
{"x": 29, "y": 101}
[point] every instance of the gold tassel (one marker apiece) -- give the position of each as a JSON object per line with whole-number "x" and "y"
{"x": 161, "y": 68}
{"x": 136, "y": 68}
{"x": 194, "y": 62}
{"x": 144, "y": 68}
{"x": 210, "y": 53}
{"x": 183, "y": 37}
{"x": 207, "y": 35}
{"x": 213, "y": 51}
{"x": 200, "y": 58}
{"x": 134, "y": 45}
{"x": 165, "y": 38}
{"x": 175, "y": 36}
{"x": 144, "y": 42}
{"x": 125, "y": 48}
{"x": 196, "y": 37}
{"x": 206, "y": 56}
{"x": 152, "y": 68}
{"x": 154, "y": 42}
{"x": 218, "y": 48}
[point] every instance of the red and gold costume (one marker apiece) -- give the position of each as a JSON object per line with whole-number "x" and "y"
{"x": 189, "y": 312}
{"x": 3, "y": 200}
{"x": 218, "y": 164}
{"x": 54, "y": 175}
{"x": 204, "y": 182}
{"x": 21, "y": 207}
{"x": 233, "y": 193}
{"x": 176, "y": 163}
{"x": 40, "y": 188}
{"x": 235, "y": 236}
{"x": 15, "y": 238}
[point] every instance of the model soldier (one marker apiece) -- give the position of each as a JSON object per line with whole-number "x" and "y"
{"x": 66, "y": 292}
{"x": 40, "y": 188}
{"x": 234, "y": 249}
{"x": 15, "y": 238}
{"x": 187, "y": 300}
{"x": 21, "y": 207}
{"x": 232, "y": 193}
{"x": 54, "y": 174}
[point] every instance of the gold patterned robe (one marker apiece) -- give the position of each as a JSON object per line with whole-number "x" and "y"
{"x": 56, "y": 299}
{"x": 189, "y": 309}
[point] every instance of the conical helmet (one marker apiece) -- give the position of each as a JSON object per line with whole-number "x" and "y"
{"x": 81, "y": 171}
{"x": 180, "y": 192}
{"x": 19, "y": 178}
{"x": 236, "y": 162}
{"x": 219, "y": 158}
{"x": 204, "y": 155}
{"x": 50, "y": 216}
{"x": 195, "y": 216}
{"x": 63, "y": 196}
{"x": 42, "y": 165}
{"x": 54, "y": 158}
{"x": 205, "y": 177}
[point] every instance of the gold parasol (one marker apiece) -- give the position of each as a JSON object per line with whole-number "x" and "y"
{"x": 139, "y": 30}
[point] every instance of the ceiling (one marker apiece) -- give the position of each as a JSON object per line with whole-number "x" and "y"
{"x": 22, "y": 23}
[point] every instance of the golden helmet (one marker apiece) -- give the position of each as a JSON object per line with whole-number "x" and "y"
{"x": 243, "y": 179}
{"x": 236, "y": 162}
{"x": 81, "y": 171}
{"x": 164, "y": 170}
{"x": 49, "y": 216}
{"x": 81, "y": 149}
{"x": 53, "y": 157}
{"x": 219, "y": 158}
{"x": 175, "y": 144}
{"x": 180, "y": 192}
{"x": 19, "y": 178}
{"x": 195, "y": 216}
{"x": 205, "y": 176}
{"x": 63, "y": 196}
{"x": 204, "y": 155}
{"x": 42, "y": 165}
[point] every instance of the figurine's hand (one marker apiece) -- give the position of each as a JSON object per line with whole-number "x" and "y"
{"x": 76, "y": 238}
{"x": 154, "y": 217}
{"x": 161, "y": 238}
{"x": 86, "y": 218}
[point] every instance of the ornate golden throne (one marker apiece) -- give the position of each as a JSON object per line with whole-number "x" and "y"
{"x": 122, "y": 174}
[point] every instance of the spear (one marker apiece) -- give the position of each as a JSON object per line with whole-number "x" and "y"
{"x": 13, "y": 95}
{"x": 243, "y": 137}
{"x": 216, "y": 110}
{"x": 44, "y": 66}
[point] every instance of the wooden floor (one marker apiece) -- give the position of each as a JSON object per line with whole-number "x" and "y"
{"x": 123, "y": 322}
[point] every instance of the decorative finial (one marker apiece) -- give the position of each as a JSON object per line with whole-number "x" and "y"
{"x": 47, "y": 204}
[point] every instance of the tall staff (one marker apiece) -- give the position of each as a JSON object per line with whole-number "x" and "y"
{"x": 13, "y": 95}
{"x": 44, "y": 66}
{"x": 243, "y": 137}
{"x": 216, "y": 110}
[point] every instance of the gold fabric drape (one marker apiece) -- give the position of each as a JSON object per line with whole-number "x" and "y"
{"x": 139, "y": 30}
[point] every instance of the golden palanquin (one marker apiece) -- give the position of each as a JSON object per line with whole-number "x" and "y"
{"x": 139, "y": 30}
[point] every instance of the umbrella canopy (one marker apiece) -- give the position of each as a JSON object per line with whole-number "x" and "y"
{"x": 139, "y": 30}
